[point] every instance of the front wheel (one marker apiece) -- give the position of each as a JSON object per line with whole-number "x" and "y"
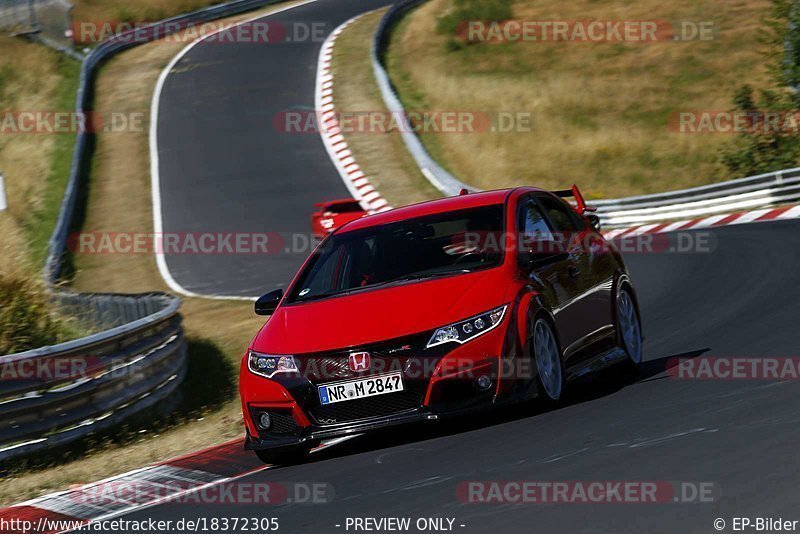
{"x": 628, "y": 327}
{"x": 550, "y": 380}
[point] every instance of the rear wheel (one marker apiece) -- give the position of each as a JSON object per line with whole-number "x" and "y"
{"x": 628, "y": 327}
{"x": 282, "y": 456}
{"x": 550, "y": 380}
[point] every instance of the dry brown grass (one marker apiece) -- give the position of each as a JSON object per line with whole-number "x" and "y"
{"x": 599, "y": 110}
{"x": 382, "y": 156}
{"x": 29, "y": 80}
{"x": 119, "y": 200}
{"x": 137, "y": 10}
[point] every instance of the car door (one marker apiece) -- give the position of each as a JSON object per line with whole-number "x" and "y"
{"x": 552, "y": 273}
{"x": 589, "y": 310}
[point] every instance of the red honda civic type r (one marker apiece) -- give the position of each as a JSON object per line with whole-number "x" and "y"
{"x": 437, "y": 309}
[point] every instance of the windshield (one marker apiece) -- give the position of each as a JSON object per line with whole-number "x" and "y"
{"x": 345, "y": 207}
{"x": 426, "y": 247}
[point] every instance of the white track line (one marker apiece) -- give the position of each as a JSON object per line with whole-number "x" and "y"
{"x": 155, "y": 176}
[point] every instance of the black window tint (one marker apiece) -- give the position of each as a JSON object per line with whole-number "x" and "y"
{"x": 558, "y": 212}
{"x": 349, "y": 207}
{"x": 532, "y": 225}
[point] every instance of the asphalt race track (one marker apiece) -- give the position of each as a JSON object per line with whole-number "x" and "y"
{"x": 741, "y": 436}
{"x": 224, "y": 168}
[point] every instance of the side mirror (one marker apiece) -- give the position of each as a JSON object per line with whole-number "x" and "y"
{"x": 594, "y": 221}
{"x": 267, "y": 304}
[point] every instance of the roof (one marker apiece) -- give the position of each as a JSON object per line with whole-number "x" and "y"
{"x": 431, "y": 207}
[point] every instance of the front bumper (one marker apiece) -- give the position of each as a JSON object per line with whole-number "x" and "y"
{"x": 445, "y": 386}
{"x": 312, "y": 436}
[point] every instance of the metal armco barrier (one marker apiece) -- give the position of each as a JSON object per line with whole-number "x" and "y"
{"x": 105, "y": 50}
{"x": 54, "y": 395}
{"x": 762, "y": 191}
{"x": 442, "y": 180}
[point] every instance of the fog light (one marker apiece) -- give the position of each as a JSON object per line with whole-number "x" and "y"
{"x": 264, "y": 420}
{"x": 483, "y": 382}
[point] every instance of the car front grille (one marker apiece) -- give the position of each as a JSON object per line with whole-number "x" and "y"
{"x": 409, "y": 399}
{"x": 399, "y": 355}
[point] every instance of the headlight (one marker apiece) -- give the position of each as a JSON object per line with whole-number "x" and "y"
{"x": 268, "y": 365}
{"x": 468, "y": 329}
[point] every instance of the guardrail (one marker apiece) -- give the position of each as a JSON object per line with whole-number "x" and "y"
{"x": 442, "y": 180}
{"x": 54, "y": 395}
{"x": 82, "y": 150}
{"x": 762, "y": 191}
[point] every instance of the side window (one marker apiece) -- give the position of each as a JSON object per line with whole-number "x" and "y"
{"x": 559, "y": 214}
{"x": 532, "y": 226}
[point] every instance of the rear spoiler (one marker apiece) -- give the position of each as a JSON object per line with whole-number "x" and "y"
{"x": 575, "y": 193}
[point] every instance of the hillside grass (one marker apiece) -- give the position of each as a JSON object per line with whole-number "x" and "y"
{"x": 135, "y": 10}
{"x": 35, "y": 166}
{"x": 600, "y": 110}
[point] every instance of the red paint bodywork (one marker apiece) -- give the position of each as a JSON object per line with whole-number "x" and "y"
{"x": 328, "y": 216}
{"x": 581, "y": 309}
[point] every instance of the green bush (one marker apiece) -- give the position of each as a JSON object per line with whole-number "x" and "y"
{"x": 760, "y": 150}
{"x": 26, "y": 320}
{"x": 471, "y": 10}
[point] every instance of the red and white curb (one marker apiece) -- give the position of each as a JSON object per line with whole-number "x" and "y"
{"x": 762, "y": 215}
{"x": 174, "y": 480}
{"x": 142, "y": 488}
{"x": 330, "y": 130}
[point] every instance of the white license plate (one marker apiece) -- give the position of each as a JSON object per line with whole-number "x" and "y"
{"x": 360, "y": 389}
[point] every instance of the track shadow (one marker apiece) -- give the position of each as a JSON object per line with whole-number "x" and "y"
{"x": 592, "y": 387}
{"x": 609, "y": 381}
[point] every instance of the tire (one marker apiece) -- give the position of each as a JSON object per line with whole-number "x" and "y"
{"x": 282, "y": 456}
{"x": 629, "y": 328}
{"x": 547, "y": 356}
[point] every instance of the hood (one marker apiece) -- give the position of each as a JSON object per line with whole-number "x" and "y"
{"x": 372, "y": 316}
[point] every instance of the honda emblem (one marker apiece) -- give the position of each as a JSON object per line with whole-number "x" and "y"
{"x": 359, "y": 361}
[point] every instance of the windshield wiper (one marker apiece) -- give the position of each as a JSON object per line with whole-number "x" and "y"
{"x": 408, "y": 278}
{"x": 423, "y": 276}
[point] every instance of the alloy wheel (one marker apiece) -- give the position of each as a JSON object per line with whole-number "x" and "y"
{"x": 630, "y": 330}
{"x": 548, "y": 360}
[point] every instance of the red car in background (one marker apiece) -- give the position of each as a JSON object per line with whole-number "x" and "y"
{"x": 435, "y": 309}
{"x": 331, "y": 215}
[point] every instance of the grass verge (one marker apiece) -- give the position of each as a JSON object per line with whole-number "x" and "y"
{"x": 600, "y": 111}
